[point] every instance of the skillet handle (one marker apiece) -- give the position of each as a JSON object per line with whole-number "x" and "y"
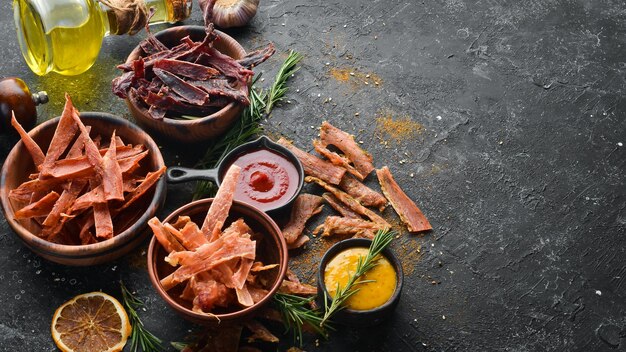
{"x": 177, "y": 174}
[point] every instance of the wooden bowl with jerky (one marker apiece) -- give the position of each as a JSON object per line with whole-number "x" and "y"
{"x": 217, "y": 261}
{"x": 61, "y": 209}
{"x": 188, "y": 83}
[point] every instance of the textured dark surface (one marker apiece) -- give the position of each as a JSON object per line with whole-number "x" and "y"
{"x": 518, "y": 164}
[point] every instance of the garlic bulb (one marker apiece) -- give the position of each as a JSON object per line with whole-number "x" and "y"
{"x": 234, "y": 13}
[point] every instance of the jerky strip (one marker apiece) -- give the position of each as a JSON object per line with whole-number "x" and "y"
{"x": 362, "y": 161}
{"x": 408, "y": 211}
{"x": 315, "y": 166}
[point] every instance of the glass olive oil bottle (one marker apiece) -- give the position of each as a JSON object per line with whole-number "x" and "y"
{"x": 65, "y": 36}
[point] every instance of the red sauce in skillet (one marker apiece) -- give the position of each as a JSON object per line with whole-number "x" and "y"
{"x": 267, "y": 179}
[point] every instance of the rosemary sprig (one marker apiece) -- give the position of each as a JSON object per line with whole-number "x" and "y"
{"x": 379, "y": 243}
{"x": 297, "y": 313}
{"x": 261, "y": 104}
{"x": 139, "y": 336}
{"x": 279, "y": 88}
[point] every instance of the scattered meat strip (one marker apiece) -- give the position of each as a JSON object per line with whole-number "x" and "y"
{"x": 303, "y": 208}
{"x": 339, "y": 206}
{"x": 331, "y": 135}
{"x": 409, "y": 213}
{"x": 365, "y": 195}
{"x": 337, "y": 225}
{"x": 259, "y": 332}
{"x": 336, "y": 159}
{"x": 349, "y": 201}
{"x": 315, "y": 166}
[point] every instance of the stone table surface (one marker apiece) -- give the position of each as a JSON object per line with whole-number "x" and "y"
{"x": 511, "y": 143}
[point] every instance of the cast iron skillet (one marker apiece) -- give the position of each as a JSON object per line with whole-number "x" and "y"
{"x": 177, "y": 174}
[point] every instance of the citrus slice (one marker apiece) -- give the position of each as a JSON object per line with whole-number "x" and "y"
{"x": 91, "y": 322}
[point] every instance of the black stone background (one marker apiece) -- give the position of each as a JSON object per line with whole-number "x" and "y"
{"x": 522, "y": 176}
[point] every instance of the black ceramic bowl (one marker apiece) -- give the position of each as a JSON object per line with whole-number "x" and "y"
{"x": 361, "y": 318}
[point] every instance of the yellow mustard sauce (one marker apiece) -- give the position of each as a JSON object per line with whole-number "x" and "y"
{"x": 371, "y": 294}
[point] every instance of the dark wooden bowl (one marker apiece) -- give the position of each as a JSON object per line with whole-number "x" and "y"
{"x": 271, "y": 249}
{"x": 18, "y": 165}
{"x": 200, "y": 129}
{"x": 361, "y": 318}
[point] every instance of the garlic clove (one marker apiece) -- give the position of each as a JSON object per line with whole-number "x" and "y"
{"x": 234, "y": 13}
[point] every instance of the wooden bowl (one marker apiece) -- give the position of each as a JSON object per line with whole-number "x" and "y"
{"x": 202, "y": 128}
{"x": 360, "y": 318}
{"x": 18, "y": 165}
{"x": 271, "y": 249}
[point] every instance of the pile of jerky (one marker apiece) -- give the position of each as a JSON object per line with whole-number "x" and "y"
{"x": 190, "y": 79}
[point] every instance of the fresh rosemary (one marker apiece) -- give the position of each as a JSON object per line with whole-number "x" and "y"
{"x": 139, "y": 337}
{"x": 297, "y": 313}
{"x": 296, "y": 310}
{"x": 261, "y": 104}
{"x": 379, "y": 243}
{"x": 279, "y": 88}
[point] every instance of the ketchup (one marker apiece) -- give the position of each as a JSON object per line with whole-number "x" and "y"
{"x": 267, "y": 179}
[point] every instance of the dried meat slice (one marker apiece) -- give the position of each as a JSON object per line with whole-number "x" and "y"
{"x": 29, "y": 143}
{"x": 297, "y": 288}
{"x": 187, "y": 91}
{"x": 259, "y": 332}
{"x": 365, "y": 195}
{"x": 112, "y": 180}
{"x": 408, "y": 211}
{"x": 56, "y": 219}
{"x": 218, "y": 212}
{"x": 340, "y": 207}
{"x": 336, "y": 159}
{"x": 67, "y": 169}
{"x": 304, "y": 207}
{"x": 166, "y": 239}
{"x": 331, "y": 135}
{"x": 63, "y": 135}
{"x": 190, "y": 236}
{"x": 40, "y": 208}
{"x": 91, "y": 148}
{"x": 349, "y": 201}
{"x": 149, "y": 181}
{"x": 315, "y": 166}
{"x": 103, "y": 222}
{"x": 337, "y": 225}
{"x": 254, "y": 58}
{"x": 186, "y": 69}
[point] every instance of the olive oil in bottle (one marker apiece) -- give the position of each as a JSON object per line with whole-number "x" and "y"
{"x": 65, "y": 36}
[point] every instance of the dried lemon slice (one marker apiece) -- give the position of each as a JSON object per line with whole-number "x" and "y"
{"x": 91, "y": 322}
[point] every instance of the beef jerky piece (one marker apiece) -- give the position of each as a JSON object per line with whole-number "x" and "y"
{"x": 350, "y": 202}
{"x": 259, "y": 332}
{"x": 151, "y": 45}
{"x": 165, "y": 238}
{"x": 91, "y": 149}
{"x": 362, "y": 193}
{"x": 222, "y": 88}
{"x": 337, "y": 225}
{"x": 55, "y": 219}
{"x": 340, "y": 207}
{"x": 120, "y": 85}
{"x": 24, "y": 192}
{"x": 296, "y": 288}
{"x": 112, "y": 181}
{"x": 227, "y": 65}
{"x": 63, "y": 136}
{"x": 150, "y": 179}
{"x": 408, "y": 211}
{"x": 190, "y": 93}
{"x": 103, "y": 222}
{"x": 258, "y": 56}
{"x": 303, "y": 208}
{"x": 299, "y": 242}
{"x": 186, "y": 69}
{"x": 331, "y": 135}
{"x": 66, "y": 169}
{"x": 315, "y": 166}
{"x": 218, "y": 212}
{"x": 29, "y": 143}
{"x": 40, "y": 208}
{"x": 336, "y": 159}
